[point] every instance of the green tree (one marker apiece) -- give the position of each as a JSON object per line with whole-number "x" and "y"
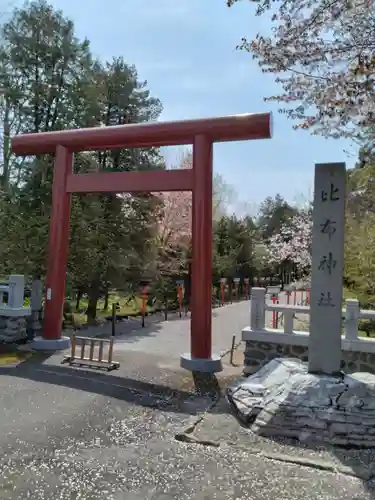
{"x": 360, "y": 231}
{"x": 233, "y": 248}
{"x": 41, "y": 65}
{"x": 361, "y": 187}
{"x": 43, "y": 69}
{"x": 51, "y": 82}
{"x": 273, "y": 214}
{"x": 127, "y": 224}
{"x": 360, "y": 258}
{"x": 223, "y": 196}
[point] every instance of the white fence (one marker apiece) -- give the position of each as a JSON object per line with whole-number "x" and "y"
{"x": 351, "y": 315}
{"x": 263, "y": 344}
{"x": 259, "y": 332}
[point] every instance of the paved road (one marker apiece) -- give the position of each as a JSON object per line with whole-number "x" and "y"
{"x": 172, "y": 337}
{"x": 66, "y": 435}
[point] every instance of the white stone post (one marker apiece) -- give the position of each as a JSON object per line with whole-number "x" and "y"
{"x": 258, "y": 309}
{"x": 16, "y": 291}
{"x": 36, "y": 295}
{"x": 351, "y": 319}
{"x": 327, "y": 269}
{"x": 288, "y": 321}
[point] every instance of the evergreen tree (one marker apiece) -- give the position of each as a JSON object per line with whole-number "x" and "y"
{"x": 51, "y": 82}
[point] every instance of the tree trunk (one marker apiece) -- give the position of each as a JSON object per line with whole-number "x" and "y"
{"x": 78, "y": 299}
{"x": 106, "y": 300}
{"x": 93, "y": 294}
{"x": 6, "y": 146}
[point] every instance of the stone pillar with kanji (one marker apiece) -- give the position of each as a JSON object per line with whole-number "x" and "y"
{"x": 327, "y": 269}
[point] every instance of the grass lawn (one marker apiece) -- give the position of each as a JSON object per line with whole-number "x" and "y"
{"x": 11, "y": 356}
{"x": 128, "y": 306}
{"x": 303, "y": 325}
{"x": 361, "y": 333}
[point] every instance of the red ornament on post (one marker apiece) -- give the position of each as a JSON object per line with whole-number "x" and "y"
{"x": 144, "y": 299}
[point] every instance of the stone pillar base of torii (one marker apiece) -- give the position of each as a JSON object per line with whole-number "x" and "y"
{"x": 42, "y": 344}
{"x": 210, "y": 365}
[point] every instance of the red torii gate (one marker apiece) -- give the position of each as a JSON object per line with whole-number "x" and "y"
{"x": 201, "y": 134}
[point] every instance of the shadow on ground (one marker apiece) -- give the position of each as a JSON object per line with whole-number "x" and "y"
{"x": 142, "y": 380}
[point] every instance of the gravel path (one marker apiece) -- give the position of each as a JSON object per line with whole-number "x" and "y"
{"x": 74, "y": 435}
{"x": 71, "y": 434}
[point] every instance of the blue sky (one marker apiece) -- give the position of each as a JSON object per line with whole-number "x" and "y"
{"x": 185, "y": 49}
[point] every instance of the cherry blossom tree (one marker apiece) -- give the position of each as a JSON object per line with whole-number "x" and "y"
{"x": 172, "y": 240}
{"x": 175, "y": 223}
{"x": 293, "y": 243}
{"x": 322, "y": 54}
{"x": 176, "y": 213}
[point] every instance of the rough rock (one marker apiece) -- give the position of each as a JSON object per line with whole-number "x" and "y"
{"x": 12, "y": 330}
{"x": 283, "y": 399}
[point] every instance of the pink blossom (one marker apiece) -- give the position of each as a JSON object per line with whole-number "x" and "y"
{"x": 321, "y": 53}
{"x": 175, "y": 222}
{"x": 293, "y": 242}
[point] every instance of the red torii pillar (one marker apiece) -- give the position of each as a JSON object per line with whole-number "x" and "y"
{"x": 202, "y": 134}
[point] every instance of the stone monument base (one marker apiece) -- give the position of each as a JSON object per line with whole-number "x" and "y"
{"x": 283, "y": 400}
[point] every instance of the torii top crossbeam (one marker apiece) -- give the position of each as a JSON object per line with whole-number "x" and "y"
{"x": 230, "y": 128}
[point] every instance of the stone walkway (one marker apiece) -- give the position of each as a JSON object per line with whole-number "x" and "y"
{"x": 172, "y": 337}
